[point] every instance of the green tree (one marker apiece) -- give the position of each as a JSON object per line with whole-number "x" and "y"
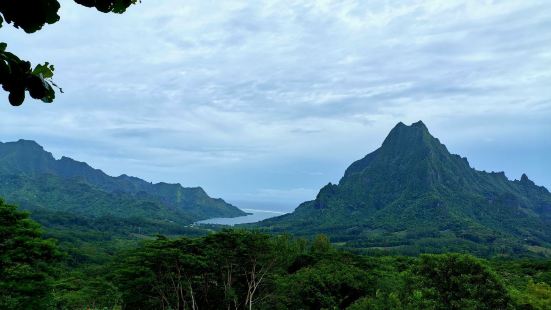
{"x": 18, "y": 76}
{"x": 86, "y": 288}
{"x": 321, "y": 244}
{"x": 162, "y": 274}
{"x": 245, "y": 263}
{"x": 330, "y": 284}
{"x": 535, "y": 296}
{"x": 456, "y": 281}
{"x": 380, "y": 301}
{"x": 231, "y": 269}
{"x": 26, "y": 261}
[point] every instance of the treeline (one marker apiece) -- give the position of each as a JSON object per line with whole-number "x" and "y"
{"x": 240, "y": 269}
{"x": 94, "y": 240}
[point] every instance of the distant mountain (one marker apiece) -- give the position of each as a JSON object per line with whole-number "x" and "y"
{"x": 411, "y": 195}
{"x": 32, "y": 178}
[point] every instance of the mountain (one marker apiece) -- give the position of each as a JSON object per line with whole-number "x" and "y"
{"x": 33, "y": 179}
{"x": 411, "y": 195}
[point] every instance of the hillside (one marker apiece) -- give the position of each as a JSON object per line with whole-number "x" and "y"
{"x": 32, "y": 178}
{"x": 411, "y": 195}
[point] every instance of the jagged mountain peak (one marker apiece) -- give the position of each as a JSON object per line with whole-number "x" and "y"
{"x": 28, "y": 142}
{"x": 416, "y": 125}
{"x": 524, "y": 179}
{"x": 407, "y": 149}
{"x": 24, "y": 156}
{"x": 23, "y": 145}
{"x": 404, "y": 136}
{"x": 412, "y": 194}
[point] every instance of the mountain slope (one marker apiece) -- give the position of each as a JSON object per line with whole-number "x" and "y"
{"x": 34, "y": 179}
{"x": 411, "y": 195}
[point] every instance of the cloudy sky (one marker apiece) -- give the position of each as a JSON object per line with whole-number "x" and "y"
{"x": 269, "y": 100}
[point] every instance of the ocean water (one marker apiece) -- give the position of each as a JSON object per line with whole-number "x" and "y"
{"x": 259, "y": 211}
{"x": 255, "y": 216}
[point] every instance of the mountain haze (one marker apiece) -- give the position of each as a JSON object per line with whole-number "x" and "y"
{"x": 411, "y": 195}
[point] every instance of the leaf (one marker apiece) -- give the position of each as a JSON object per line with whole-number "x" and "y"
{"x": 50, "y": 94}
{"x": 46, "y": 70}
{"x": 120, "y": 6}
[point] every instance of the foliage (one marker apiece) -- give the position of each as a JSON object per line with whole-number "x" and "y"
{"x": 106, "y": 6}
{"x": 326, "y": 285}
{"x": 455, "y": 281}
{"x": 16, "y": 75}
{"x": 85, "y": 289}
{"x": 26, "y": 261}
{"x": 240, "y": 269}
{"x": 230, "y": 268}
{"x": 214, "y": 272}
{"x": 536, "y": 296}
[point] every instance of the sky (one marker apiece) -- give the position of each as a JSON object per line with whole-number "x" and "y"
{"x": 267, "y": 101}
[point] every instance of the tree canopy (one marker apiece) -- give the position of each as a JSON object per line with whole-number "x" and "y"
{"x": 26, "y": 261}
{"x": 17, "y": 76}
{"x": 240, "y": 269}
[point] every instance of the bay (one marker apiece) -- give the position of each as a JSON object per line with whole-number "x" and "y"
{"x": 254, "y": 216}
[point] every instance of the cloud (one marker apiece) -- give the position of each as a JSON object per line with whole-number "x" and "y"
{"x": 229, "y": 95}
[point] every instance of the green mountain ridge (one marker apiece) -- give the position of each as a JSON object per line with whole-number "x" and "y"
{"x": 33, "y": 178}
{"x": 411, "y": 195}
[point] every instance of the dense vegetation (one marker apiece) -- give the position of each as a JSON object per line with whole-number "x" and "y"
{"x": 412, "y": 196}
{"x": 66, "y": 191}
{"x": 26, "y": 262}
{"x": 239, "y": 269}
{"x": 92, "y": 214}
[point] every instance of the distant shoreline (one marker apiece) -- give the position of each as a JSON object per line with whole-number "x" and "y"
{"x": 255, "y": 215}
